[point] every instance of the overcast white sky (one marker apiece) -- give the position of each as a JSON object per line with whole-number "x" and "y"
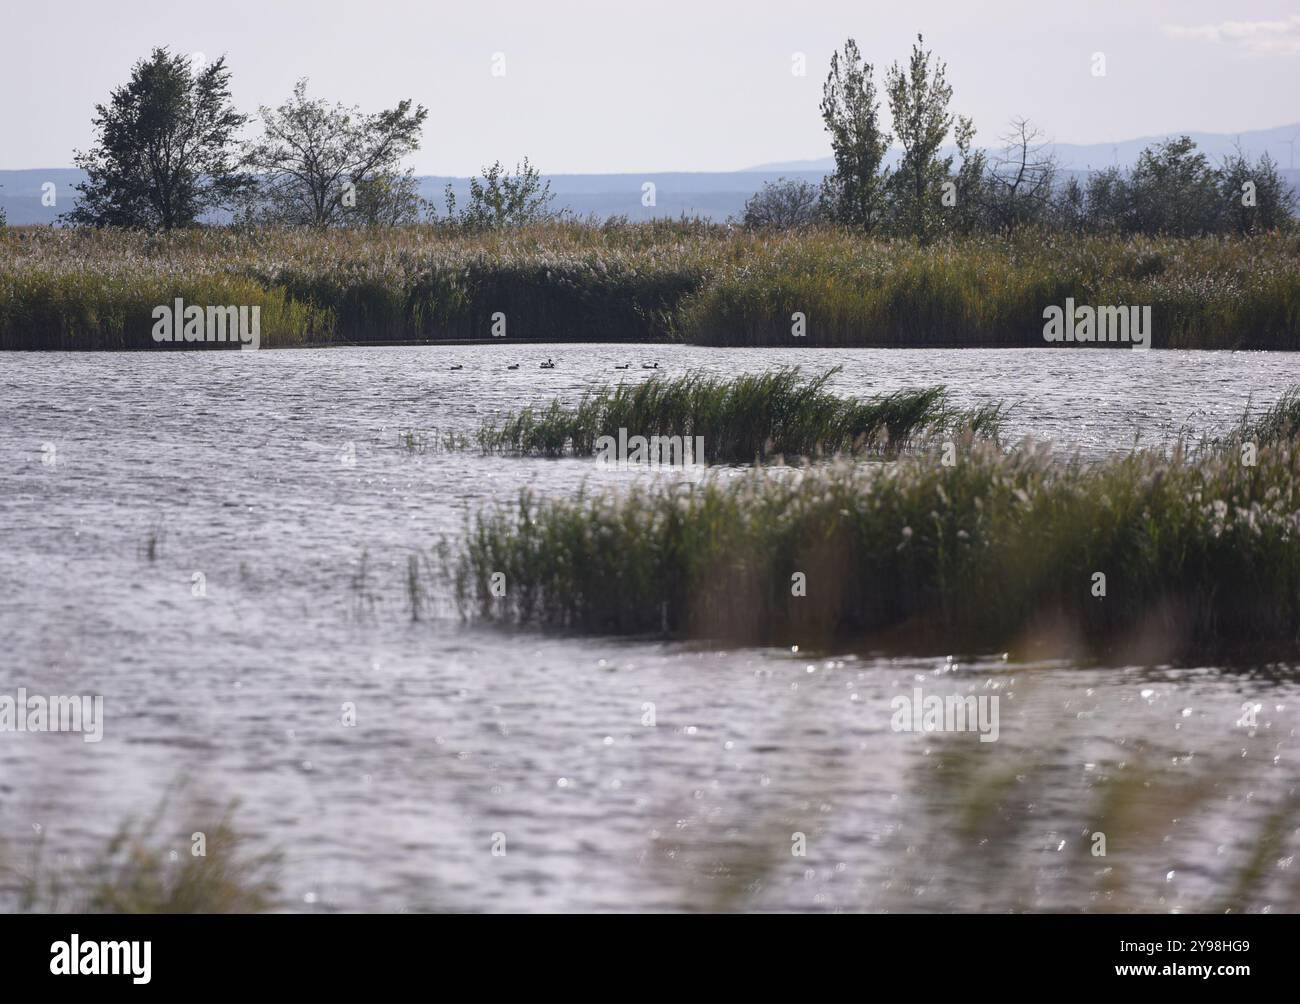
{"x": 660, "y": 84}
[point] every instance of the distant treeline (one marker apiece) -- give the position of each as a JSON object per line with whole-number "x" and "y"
{"x": 1173, "y": 188}
{"x": 166, "y": 157}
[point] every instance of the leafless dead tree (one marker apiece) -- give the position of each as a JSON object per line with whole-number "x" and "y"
{"x": 1020, "y": 177}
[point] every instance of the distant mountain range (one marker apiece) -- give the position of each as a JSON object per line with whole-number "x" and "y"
{"x": 1279, "y": 143}
{"x": 715, "y": 195}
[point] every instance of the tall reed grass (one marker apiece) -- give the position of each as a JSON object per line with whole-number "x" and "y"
{"x": 665, "y": 281}
{"x": 1203, "y": 293}
{"x": 1278, "y": 424}
{"x": 742, "y": 418}
{"x": 1199, "y": 553}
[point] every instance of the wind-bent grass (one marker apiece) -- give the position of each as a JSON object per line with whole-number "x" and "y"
{"x": 663, "y": 281}
{"x": 1279, "y": 424}
{"x": 1154, "y": 554}
{"x": 754, "y": 416}
{"x": 136, "y": 873}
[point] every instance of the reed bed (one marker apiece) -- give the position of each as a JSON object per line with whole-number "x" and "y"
{"x": 1200, "y": 554}
{"x": 80, "y": 289}
{"x": 665, "y": 281}
{"x": 1203, "y": 293}
{"x": 739, "y": 419}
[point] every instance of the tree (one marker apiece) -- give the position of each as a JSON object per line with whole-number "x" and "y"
{"x": 315, "y": 163}
{"x": 918, "y": 103}
{"x": 1108, "y": 201}
{"x": 389, "y": 200}
{"x": 782, "y": 204}
{"x": 1173, "y": 190}
{"x": 164, "y": 153}
{"x": 967, "y": 215}
{"x": 855, "y": 193}
{"x": 1070, "y": 207}
{"x": 1021, "y": 178}
{"x": 1256, "y": 197}
{"x": 501, "y": 199}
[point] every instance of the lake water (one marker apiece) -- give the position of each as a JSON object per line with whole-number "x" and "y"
{"x": 279, "y": 478}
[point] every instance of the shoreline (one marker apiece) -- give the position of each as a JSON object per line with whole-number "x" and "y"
{"x": 464, "y": 343}
{"x": 472, "y": 342}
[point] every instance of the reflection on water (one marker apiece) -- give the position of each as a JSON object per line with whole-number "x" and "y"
{"x": 237, "y": 467}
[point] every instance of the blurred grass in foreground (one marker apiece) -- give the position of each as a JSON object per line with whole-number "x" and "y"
{"x": 1050, "y": 818}
{"x": 141, "y": 871}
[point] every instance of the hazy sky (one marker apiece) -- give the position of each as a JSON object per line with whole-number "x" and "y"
{"x": 660, "y": 84}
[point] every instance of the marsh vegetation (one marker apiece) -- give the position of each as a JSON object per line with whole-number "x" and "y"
{"x": 740, "y": 419}
{"x": 1185, "y": 551}
{"x": 688, "y": 281}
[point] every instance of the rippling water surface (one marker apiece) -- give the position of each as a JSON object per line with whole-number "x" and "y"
{"x": 235, "y": 466}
